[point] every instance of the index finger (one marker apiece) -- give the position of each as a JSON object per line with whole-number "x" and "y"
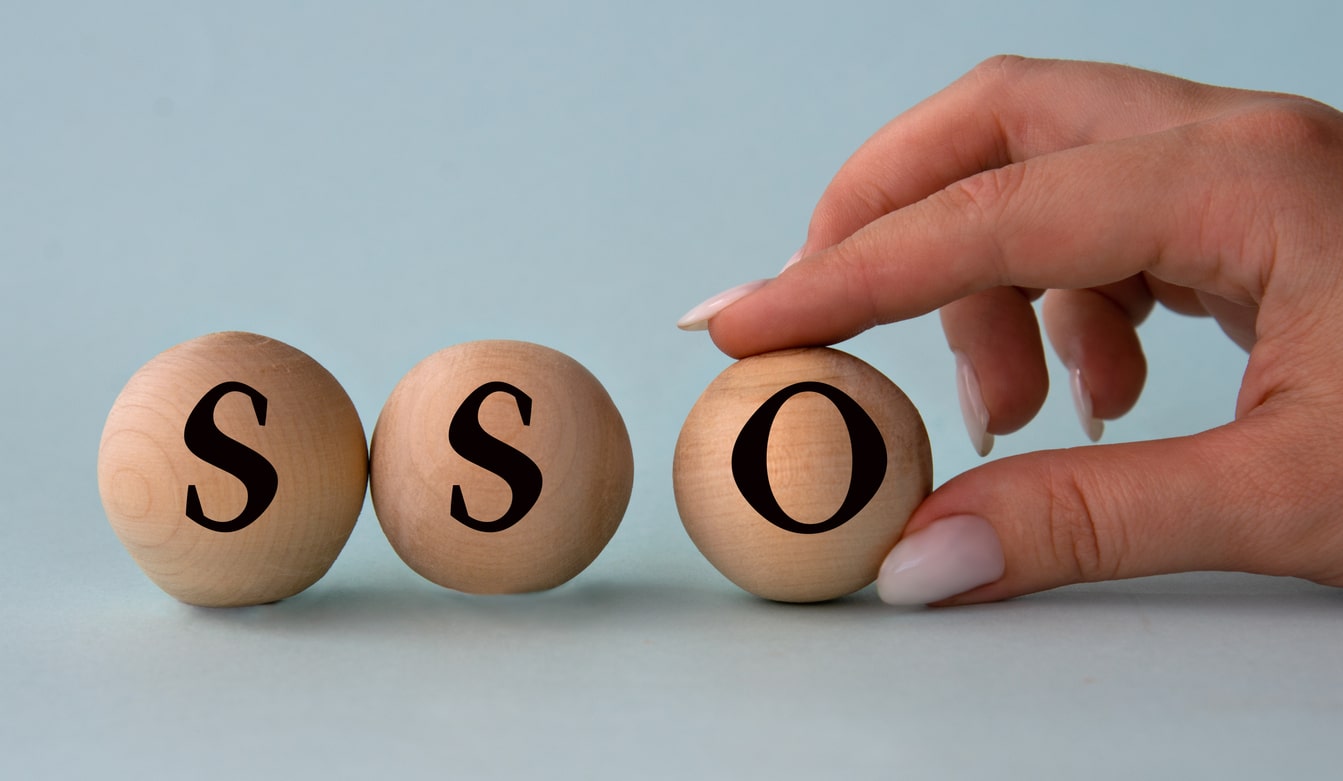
{"x": 1172, "y": 204}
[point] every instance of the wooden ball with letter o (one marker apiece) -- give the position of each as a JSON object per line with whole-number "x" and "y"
{"x": 796, "y": 471}
{"x": 500, "y": 467}
{"x": 233, "y": 468}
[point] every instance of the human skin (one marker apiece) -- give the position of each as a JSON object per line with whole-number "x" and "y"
{"x": 1112, "y": 189}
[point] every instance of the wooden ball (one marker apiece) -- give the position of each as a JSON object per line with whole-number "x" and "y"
{"x": 233, "y": 468}
{"x": 500, "y": 467}
{"x": 796, "y": 472}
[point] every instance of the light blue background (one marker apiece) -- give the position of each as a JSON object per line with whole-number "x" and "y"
{"x": 373, "y": 182}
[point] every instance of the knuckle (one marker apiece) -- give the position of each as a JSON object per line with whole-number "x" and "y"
{"x": 1283, "y": 156}
{"x": 855, "y": 197}
{"x": 1277, "y": 144}
{"x": 999, "y": 68}
{"x": 987, "y": 204}
{"x": 985, "y": 195}
{"x": 1079, "y": 542}
{"x": 850, "y": 260}
{"x": 1290, "y": 124}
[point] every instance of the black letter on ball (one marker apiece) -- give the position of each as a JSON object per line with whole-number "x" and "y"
{"x": 475, "y": 445}
{"x": 212, "y": 446}
{"x": 750, "y": 468}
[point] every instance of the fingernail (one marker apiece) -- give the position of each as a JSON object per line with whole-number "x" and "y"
{"x": 974, "y": 412}
{"x": 949, "y": 557}
{"x": 794, "y": 259}
{"x": 697, "y": 319}
{"x": 1091, "y": 425}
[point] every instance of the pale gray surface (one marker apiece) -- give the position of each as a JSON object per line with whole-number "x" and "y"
{"x": 371, "y": 184}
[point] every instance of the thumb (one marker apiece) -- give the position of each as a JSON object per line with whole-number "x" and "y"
{"x": 1040, "y": 520}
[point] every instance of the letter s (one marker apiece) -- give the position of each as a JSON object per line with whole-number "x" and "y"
{"x": 475, "y": 445}
{"x": 213, "y": 447}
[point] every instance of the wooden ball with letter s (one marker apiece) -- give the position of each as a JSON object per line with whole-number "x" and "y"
{"x": 233, "y": 468}
{"x": 500, "y": 467}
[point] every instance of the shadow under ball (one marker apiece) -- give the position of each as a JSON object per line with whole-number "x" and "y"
{"x": 233, "y": 468}
{"x": 796, "y": 471}
{"x": 500, "y": 467}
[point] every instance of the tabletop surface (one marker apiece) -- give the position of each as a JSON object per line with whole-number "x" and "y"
{"x": 371, "y": 183}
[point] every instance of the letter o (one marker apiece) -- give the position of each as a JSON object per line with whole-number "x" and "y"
{"x": 750, "y": 463}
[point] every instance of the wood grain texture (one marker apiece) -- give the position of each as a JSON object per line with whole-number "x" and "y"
{"x": 810, "y": 463}
{"x": 311, "y": 437}
{"x": 572, "y": 433}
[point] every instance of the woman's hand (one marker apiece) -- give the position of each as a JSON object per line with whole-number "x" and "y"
{"x": 1111, "y": 189}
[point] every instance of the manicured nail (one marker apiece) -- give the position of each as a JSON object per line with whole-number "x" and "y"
{"x": 1091, "y": 425}
{"x": 794, "y": 259}
{"x": 949, "y": 557}
{"x": 974, "y": 412}
{"x": 697, "y": 319}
